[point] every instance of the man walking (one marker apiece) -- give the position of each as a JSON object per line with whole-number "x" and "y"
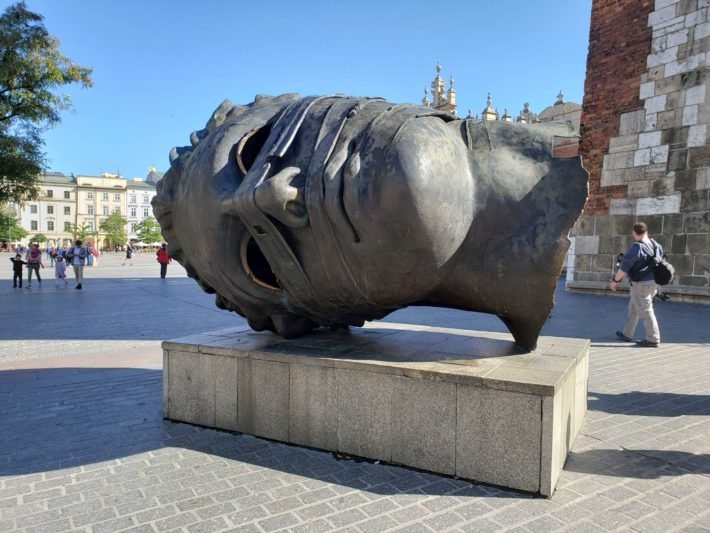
{"x": 77, "y": 255}
{"x": 638, "y": 265}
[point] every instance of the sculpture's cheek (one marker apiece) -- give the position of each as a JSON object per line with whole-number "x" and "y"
{"x": 418, "y": 190}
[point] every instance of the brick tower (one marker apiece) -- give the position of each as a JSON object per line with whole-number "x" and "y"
{"x": 644, "y": 140}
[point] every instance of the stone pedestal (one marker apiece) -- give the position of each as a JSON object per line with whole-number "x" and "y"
{"x": 450, "y": 401}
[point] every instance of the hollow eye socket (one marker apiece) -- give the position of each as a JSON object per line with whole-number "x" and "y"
{"x": 257, "y": 267}
{"x": 249, "y": 147}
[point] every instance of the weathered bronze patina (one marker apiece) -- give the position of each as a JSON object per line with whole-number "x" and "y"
{"x": 330, "y": 211}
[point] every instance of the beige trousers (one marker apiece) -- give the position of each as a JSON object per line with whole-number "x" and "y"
{"x": 641, "y": 308}
{"x": 78, "y": 273}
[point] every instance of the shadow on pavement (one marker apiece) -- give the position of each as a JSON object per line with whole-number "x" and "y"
{"x": 639, "y": 403}
{"x": 83, "y": 420}
{"x": 642, "y": 464}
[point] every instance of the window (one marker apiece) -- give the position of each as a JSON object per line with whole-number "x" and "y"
{"x": 134, "y": 227}
{"x": 90, "y": 195}
{"x": 146, "y": 199}
{"x": 89, "y": 209}
{"x": 33, "y": 225}
{"x": 105, "y": 210}
{"x": 89, "y": 225}
{"x": 50, "y": 209}
{"x": 33, "y": 209}
{"x": 134, "y": 199}
{"x": 67, "y": 226}
{"x": 133, "y": 212}
{"x": 117, "y": 197}
{"x": 67, "y": 195}
{"x": 104, "y": 196}
{"x": 50, "y": 193}
{"x": 50, "y": 225}
{"x": 145, "y": 213}
{"x": 117, "y": 210}
{"x": 67, "y": 210}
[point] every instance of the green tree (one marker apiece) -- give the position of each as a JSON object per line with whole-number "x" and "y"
{"x": 31, "y": 68}
{"x": 115, "y": 228}
{"x": 10, "y": 230}
{"x": 79, "y": 232}
{"x": 149, "y": 231}
{"x": 39, "y": 238}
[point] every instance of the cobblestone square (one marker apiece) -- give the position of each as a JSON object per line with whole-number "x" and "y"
{"x": 83, "y": 445}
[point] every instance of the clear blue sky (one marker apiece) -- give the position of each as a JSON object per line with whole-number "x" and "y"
{"x": 162, "y": 66}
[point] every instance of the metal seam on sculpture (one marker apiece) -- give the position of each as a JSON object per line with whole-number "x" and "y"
{"x": 315, "y": 163}
{"x": 488, "y": 135}
{"x": 340, "y": 254}
{"x": 327, "y": 226}
{"x": 469, "y": 134}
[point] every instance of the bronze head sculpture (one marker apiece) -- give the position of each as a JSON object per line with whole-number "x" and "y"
{"x": 330, "y": 211}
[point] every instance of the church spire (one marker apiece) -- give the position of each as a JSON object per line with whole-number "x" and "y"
{"x": 425, "y": 101}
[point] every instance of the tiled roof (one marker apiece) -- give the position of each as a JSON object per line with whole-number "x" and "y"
{"x": 139, "y": 184}
{"x": 57, "y": 178}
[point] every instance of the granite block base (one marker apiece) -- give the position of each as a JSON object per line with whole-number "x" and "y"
{"x": 455, "y": 402}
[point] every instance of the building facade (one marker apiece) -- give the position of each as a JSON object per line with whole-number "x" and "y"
{"x": 54, "y": 213}
{"x": 139, "y": 194}
{"x": 67, "y": 202}
{"x": 97, "y": 198}
{"x": 644, "y": 140}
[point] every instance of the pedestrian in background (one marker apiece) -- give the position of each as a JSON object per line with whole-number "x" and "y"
{"x": 17, "y": 263}
{"x": 129, "y": 255}
{"x": 637, "y": 264}
{"x": 77, "y": 255}
{"x": 164, "y": 259}
{"x": 34, "y": 262}
{"x": 60, "y": 271}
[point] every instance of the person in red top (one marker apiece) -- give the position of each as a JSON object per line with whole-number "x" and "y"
{"x": 34, "y": 261}
{"x": 163, "y": 258}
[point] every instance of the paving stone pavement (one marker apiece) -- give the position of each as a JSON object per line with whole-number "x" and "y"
{"x": 83, "y": 446}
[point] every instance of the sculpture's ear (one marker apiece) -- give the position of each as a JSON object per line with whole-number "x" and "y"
{"x": 278, "y": 197}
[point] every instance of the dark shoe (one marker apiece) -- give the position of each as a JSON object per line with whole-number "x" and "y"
{"x": 620, "y": 335}
{"x": 78, "y": 286}
{"x": 647, "y": 344}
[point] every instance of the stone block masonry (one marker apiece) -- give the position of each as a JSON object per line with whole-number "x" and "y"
{"x": 645, "y": 139}
{"x": 455, "y": 402}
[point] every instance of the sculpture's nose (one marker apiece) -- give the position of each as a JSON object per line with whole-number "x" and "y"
{"x": 280, "y": 199}
{"x": 277, "y": 197}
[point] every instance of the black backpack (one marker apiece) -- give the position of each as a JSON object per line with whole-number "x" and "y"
{"x": 663, "y": 271}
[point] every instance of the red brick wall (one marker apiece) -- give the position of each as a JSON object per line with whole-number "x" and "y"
{"x": 619, "y": 43}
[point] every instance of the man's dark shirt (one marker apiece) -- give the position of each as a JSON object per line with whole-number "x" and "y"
{"x": 641, "y": 251}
